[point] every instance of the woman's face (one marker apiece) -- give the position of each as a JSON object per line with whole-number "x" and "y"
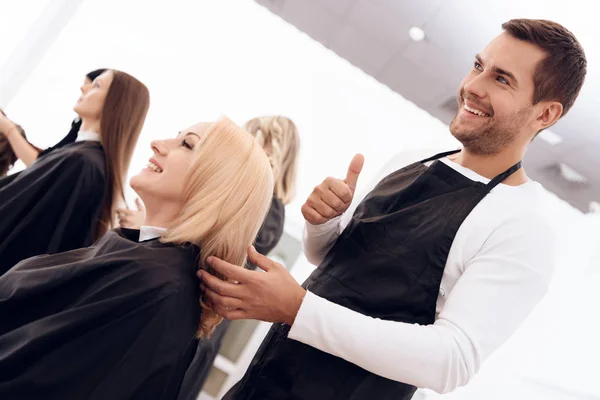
{"x": 93, "y": 95}
{"x": 87, "y": 85}
{"x": 163, "y": 179}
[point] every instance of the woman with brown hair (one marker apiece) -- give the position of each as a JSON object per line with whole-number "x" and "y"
{"x": 119, "y": 320}
{"x": 28, "y": 153}
{"x": 67, "y": 198}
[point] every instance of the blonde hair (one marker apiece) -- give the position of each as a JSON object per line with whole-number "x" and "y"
{"x": 229, "y": 185}
{"x": 279, "y": 137}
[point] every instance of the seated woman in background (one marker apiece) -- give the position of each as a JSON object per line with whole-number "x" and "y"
{"x": 278, "y": 136}
{"x": 28, "y": 153}
{"x": 7, "y": 155}
{"x": 66, "y": 199}
{"x": 118, "y": 320}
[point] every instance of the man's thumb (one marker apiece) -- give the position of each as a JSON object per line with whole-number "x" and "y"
{"x": 354, "y": 169}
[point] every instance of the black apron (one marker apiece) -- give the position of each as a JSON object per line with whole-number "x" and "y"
{"x": 387, "y": 263}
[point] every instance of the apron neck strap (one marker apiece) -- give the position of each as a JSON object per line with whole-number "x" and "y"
{"x": 494, "y": 182}
{"x": 501, "y": 177}
{"x": 440, "y": 155}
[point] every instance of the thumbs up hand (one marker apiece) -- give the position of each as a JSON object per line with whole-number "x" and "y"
{"x": 332, "y": 197}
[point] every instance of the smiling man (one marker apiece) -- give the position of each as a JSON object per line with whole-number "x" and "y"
{"x": 438, "y": 265}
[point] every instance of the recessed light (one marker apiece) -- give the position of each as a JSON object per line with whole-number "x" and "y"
{"x": 417, "y": 34}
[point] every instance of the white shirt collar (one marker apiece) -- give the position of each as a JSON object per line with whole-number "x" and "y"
{"x": 150, "y": 232}
{"x": 474, "y": 176}
{"x": 88, "y": 135}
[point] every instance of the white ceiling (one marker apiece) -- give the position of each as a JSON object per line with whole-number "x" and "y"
{"x": 373, "y": 35}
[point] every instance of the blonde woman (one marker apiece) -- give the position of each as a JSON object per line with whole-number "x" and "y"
{"x": 278, "y": 136}
{"x": 119, "y": 320}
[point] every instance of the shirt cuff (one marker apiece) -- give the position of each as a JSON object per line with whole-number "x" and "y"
{"x": 318, "y": 230}
{"x": 302, "y": 330}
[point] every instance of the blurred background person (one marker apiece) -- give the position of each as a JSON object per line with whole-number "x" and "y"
{"x": 28, "y": 153}
{"x": 67, "y": 199}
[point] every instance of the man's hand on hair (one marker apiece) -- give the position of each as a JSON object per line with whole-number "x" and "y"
{"x": 271, "y": 296}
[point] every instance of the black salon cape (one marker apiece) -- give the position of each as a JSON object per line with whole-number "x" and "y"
{"x": 52, "y": 206}
{"x": 113, "y": 321}
{"x": 207, "y": 351}
{"x": 68, "y": 139}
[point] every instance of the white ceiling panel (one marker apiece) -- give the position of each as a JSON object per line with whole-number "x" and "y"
{"x": 413, "y": 82}
{"x": 384, "y": 26}
{"x": 311, "y": 17}
{"x": 410, "y": 11}
{"x": 340, "y": 7}
{"x": 427, "y": 56}
{"x": 361, "y": 49}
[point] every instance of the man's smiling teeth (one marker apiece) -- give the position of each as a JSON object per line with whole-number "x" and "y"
{"x": 474, "y": 111}
{"x": 154, "y": 167}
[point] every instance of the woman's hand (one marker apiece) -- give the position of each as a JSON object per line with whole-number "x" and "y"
{"x": 132, "y": 219}
{"x": 7, "y": 127}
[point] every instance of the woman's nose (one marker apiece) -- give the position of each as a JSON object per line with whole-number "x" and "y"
{"x": 158, "y": 146}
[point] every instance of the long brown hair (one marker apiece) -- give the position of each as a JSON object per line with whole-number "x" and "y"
{"x": 123, "y": 116}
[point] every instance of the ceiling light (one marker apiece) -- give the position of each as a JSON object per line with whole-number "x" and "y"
{"x": 417, "y": 34}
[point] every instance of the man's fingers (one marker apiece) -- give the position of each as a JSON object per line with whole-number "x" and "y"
{"x": 219, "y": 286}
{"x": 312, "y": 216}
{"x": 354, "y": 169}
{"x": 321, "y": 207}
{"x": 341, "y": 190}
{"x": 263, "y": 262}
{"x": 229, "y": 270}
{"x": 334, "y": 201}
{"x": 217, "y": 300}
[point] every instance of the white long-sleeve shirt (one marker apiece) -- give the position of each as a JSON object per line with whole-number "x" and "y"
{"x": 498, "y": 268}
